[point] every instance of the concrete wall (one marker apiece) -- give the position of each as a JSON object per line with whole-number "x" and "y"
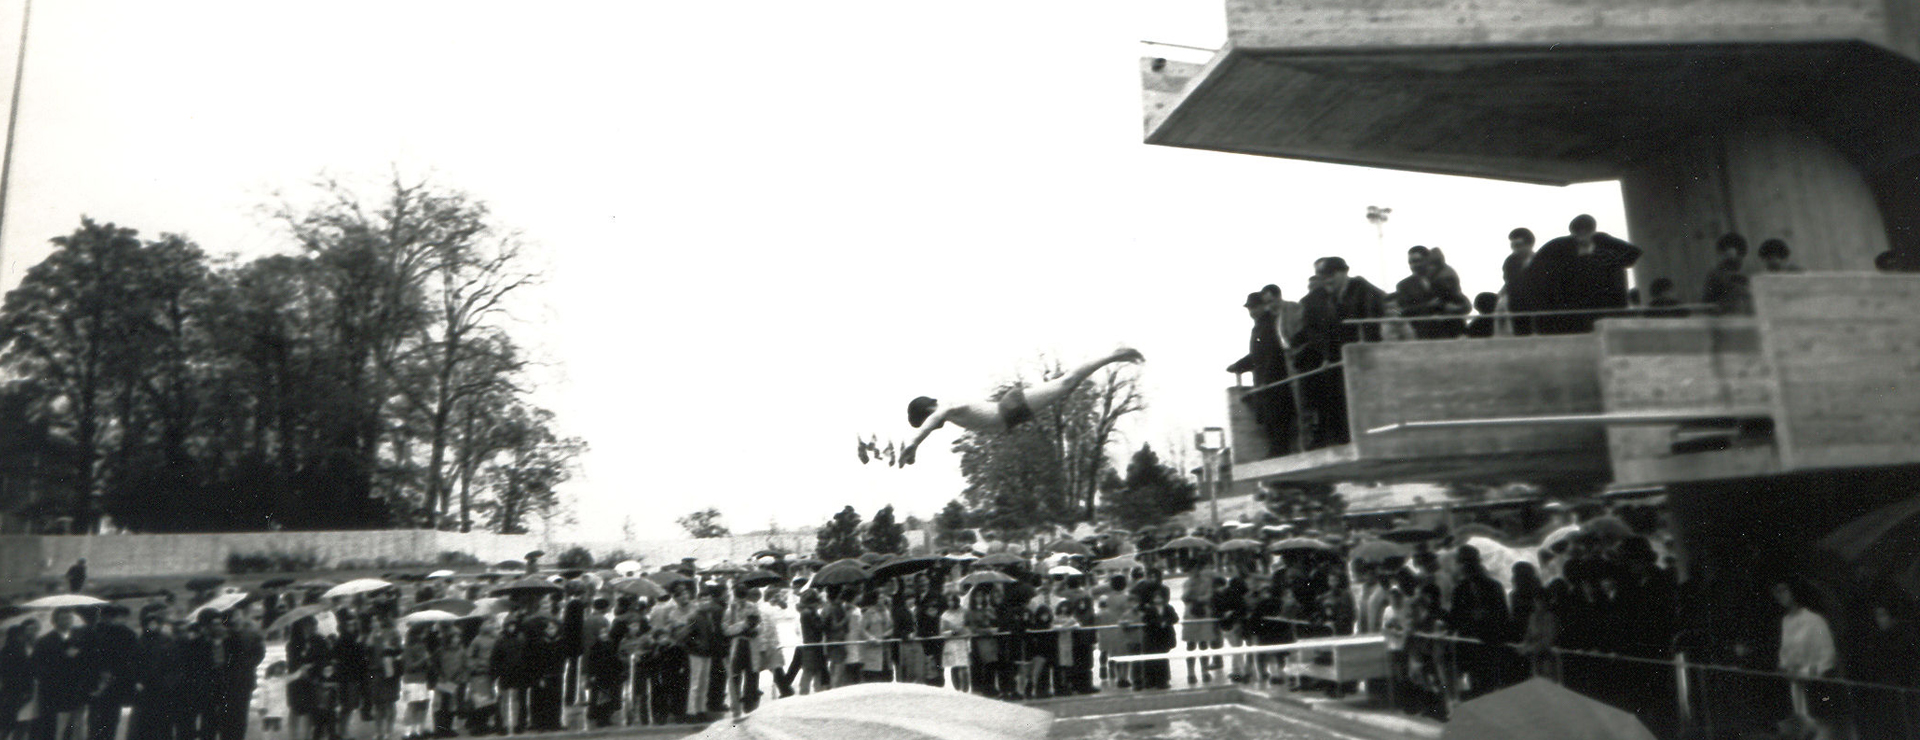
{"x": 24, "y": 558}
{"x": 1375, "y": 23}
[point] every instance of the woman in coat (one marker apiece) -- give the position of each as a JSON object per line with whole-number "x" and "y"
{"x": 876, "y": 629}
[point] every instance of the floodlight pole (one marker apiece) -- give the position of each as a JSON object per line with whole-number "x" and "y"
{"x": 1211, "y": 441}
{"x": 13, "y": 119}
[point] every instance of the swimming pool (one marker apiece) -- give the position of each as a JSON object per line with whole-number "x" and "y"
{"x": 1222, "y": 722}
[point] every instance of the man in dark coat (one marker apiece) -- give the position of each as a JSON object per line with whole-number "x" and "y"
{"x": 1267, "y": 359}
{"x": 157, "y": 672}
{"x": 115, "y": 650}
{"x": 63, "y": 670}
{"x": 1338, "y": 299}
{"x": 241, "y": 650}
{"x": 1521, "y": 241}
{"x": 1582, "y": 271}
{"x": 1479, "y": 611}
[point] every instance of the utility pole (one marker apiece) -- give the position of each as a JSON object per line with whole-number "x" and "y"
{"x": 13, "y": 123}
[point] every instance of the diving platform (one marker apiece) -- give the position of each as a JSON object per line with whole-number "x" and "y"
{"x": 1824, "y": 376}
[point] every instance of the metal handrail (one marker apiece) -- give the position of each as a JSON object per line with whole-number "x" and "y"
{"x": 1628, "y": 311}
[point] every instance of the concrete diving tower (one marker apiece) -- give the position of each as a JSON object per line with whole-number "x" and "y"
{"x": 1795, "y": 119}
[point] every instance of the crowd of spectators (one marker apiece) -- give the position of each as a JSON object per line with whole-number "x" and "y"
{"x": 1562, "y": 287}
{"x": 1595, "y": 607}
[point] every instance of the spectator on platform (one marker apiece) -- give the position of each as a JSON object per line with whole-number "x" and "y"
{"x": 1200, "y": 630}
{"x": 1584, "y": 272}
{"x": 1433, "y": 289}
{"x": 1726, "y": 285}
{"x": 77, "y": 576}
{"x": 813, "y": 631}
{"x": 1660, "y": 301}
{"x": 1775, "y": 256}
{"x": 1520, "y": 240}
{"x": 1487, "y": 323}
{"x": 1324, "y": 332}
{"x": 1266, "y": 358}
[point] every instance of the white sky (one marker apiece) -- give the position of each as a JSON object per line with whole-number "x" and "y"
{"x": 765, "y": 225}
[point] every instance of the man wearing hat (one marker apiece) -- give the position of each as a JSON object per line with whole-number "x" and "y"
{"x": 1267, "y": 359}
{"x": 1338, "y": 299}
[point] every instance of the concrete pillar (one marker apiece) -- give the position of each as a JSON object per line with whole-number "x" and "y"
{"x": 1764, "y": 178}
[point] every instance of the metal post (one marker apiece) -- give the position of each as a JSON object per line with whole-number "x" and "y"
{"x": 1682, "y": 691}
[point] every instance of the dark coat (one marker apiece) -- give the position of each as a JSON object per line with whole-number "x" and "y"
{"x": 64, "y": 670}
{"x": 116, "y": 653}
{"x": 1323, "y": 332}
{"x": 1266, "y": 359}
{"x": 1561, "y": 279}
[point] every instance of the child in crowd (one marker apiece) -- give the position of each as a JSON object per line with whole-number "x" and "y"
{"x": 270, "y": 702}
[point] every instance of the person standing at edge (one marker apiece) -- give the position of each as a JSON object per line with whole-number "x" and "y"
{"x": 1324, "y": 332}
{"x": 1582, "y": 271}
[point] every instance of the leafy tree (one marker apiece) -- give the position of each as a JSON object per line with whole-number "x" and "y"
{"x": 950, "y": 526}
{"x": 839, "y": 537}
{"x": 80, "y": 324}
{"x": 704, "y": 523}
{"x": 527, "y": 473}
{"x": 1151, "y": 492}
{"x": 883, "y": 534}
{"x": 1046, "y": 471}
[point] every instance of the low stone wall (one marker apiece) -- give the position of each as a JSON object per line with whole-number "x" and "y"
{"x": 24, "y": 558}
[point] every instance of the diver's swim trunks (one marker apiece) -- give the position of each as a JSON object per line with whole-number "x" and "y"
{"x": 1014, "y": 408}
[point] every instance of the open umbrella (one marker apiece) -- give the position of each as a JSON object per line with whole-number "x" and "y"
{"x": 430, "y": 615}
{"x": 873, "y": 558}
{"x": 1292, "y": 544}
{"x": 759, "y": 578}
{"x": 527, "y": 585}
{"x": 64, "y": 601}
{"x": 666, "y": 578}
{"x": 776, "y": 552}
{"x": 1071, "y": 547}
{"x": 357, "y": 586}
{"x": 1379, "y": 551}
{"x": 219, "y": 603}
{"x": 636, "y": 586}
{"x": 442, "y": 573}
{"x": 288, "y": 619}
{"x": 903, "y": 567}
{"x": 1188, "y": 543}
{"x": 204, "y": 583}
{"x": 457, "y": 607}
{"x": 1120, "y": 564}
{"x": 1237, "y": 545}
{"x": 510, "y": 565}
{"x": 963, "y": 557}
{"x": 1002, "y": 558}
{"x": 281, "y": 582}
{"x": 984, "y": 577}
{"x": 1064, "y": 570}
{"x": 1883, "y": 544}
{"x": 724, "y": 569}
{"x": 314, "y": 584}
{"x": 1476, "y": 529}
{"x": 1410, "y": 535}
{"x": 1607, "y": 526}
{"x": 889, "y": 711}
{"x": 627, "y": 567}
{"x": 1539, "y": 708}
{"x": 490, "y": 606}
{"x": 807, "y": 563}
{"x": 839, "y": 573}
{"x": 1559, "y": 539}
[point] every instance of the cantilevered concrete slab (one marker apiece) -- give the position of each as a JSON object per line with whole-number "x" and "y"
{"x": 1796, "y": 119}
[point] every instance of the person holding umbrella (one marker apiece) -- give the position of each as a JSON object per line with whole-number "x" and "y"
{"x": 16, "y": 680}
{"x": 63, "y": 672}
{"x": 483, "y": 698}
{"x": 114, "y": 649}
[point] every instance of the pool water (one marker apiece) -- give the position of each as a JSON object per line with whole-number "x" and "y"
{"x": 1228, "y": 722}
